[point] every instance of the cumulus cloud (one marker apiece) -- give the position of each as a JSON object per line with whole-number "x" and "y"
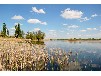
{"x": 44, "y": 23}
{"x": 12, "y": 28}
{"x": 64, "y": 24}
{"x": 79, "y": 35}
{"x": 94, "y": 15}
{"x": 52, "y": 33}
{"x": 52, "y": 30}
{"x": 71, "y": 14}
{"x": 34, "y": 9}
{"x": 36, "y": 29}
{"x": 36, "y": 21}
{"x": 83, "y": 30}
{"x": 73, "y": 26}
{"x": 17, "y": 17}
{"x": 12, "y": 31}
{"x": 84, "y": 19}
{"x": 94, "y": 28}
{"x": 75, "y": 14}
{"x": 67, "y": 33}
{"x": 61, "y": 31}
{"x": 91, "y": 29}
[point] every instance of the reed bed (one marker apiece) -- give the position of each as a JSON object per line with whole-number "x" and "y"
{"x": 22, "y": 55}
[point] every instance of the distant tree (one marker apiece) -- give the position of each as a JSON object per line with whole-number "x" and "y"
{"x": 79, "y": 38}
{"x": 35, "y": 35}
{"x": 43, "y": 35}
{"x": 89, "y": 38}
{"x": 74, "y": 38}
{"x": 18, "y": 32}
{"x": 4, "y": 31}
{"x": 40, "y": 35}
{"x": 93, "y": 39}
{"x": 29, "y": 35}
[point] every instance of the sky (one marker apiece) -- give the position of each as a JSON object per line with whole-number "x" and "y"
{"x": 55, "y": 20}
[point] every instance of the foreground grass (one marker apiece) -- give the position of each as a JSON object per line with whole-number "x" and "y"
{"x": 22, "y": 55}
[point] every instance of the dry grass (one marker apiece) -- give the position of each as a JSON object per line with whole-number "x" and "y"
{"x": 21, "y": 54}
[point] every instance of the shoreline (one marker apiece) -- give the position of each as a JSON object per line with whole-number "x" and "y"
{"x": 70, "y": 40}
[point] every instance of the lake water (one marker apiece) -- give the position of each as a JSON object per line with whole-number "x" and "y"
{"x": 89, "y": 53}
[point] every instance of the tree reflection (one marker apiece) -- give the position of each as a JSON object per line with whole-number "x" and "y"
{"x": 38, "y": 42}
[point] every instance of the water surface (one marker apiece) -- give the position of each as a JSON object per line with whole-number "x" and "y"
{"x": 88, "y": 52}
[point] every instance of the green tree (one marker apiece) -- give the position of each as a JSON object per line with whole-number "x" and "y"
{"x": 93, "y": 39}
{"x": 18, "y": 32}
{"x": 40, "y": 35}
{"x": 4, "y": 31}
{"x": 35, "y": 35}
{"x": 29, "y": 35}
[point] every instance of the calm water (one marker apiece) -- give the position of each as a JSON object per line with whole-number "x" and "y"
{"x": 89, "y": 53}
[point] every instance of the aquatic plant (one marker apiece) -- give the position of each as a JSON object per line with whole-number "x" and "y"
{"x": 19, "y": 55}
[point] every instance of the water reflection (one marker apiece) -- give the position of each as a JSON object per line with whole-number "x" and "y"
{"x": 89, "y": 54}
{"x": 38, "y": 42}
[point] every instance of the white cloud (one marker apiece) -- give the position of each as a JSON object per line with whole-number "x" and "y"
{"x": 36, "y": 29}
{"x": 94, "y": 15}
{"x": 34, "y": 9}
{"x": 52, "y": 33}
{"x": 64, "y": 24}
{"x": 15, "y": 23}
{"x": 91, "y": 29}
{"x": 73, "y": 26}
{"x": 17, "y": 17}
{"x": 12, "y": 28}
{"x": 87, "y": 35}
{"x": 94, "y": 28}
{"x": 84, "y": 19}
{"x": 71, "y": 14}
{"x": 83, "y": 30}
{"x": 12, "y": 31}
{"x": 67, "y": 33}
{"x": 61, "y": 31}
{"x": 52, "y": 30}
{"x": 36, "y": 21}
{"x": 44, "y": 23}
{"x": 79, "y": 35}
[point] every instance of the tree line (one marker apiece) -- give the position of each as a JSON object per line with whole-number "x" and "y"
{"x": 19, "y": 33}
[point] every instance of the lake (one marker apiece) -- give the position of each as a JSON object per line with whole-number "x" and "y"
{"x": 52, "y": 55}
{"x": 88, "y": 52}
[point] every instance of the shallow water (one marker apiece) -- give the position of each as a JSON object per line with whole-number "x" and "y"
{"x": 88, "y": 54}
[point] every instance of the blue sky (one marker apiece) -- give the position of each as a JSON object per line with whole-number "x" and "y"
{"x": 57, "y": 21}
